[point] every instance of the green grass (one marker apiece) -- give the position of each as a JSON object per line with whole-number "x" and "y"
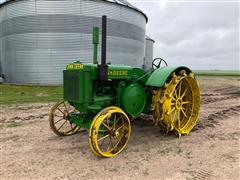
{"x": 17, "y": 94}
{"x": 217, "y": 73}
{"x": 12, "y": 125}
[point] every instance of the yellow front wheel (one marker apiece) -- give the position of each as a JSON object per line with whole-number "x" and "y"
{"x": 109, "y": 132}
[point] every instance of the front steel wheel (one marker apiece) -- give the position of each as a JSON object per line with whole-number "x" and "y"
{"x": 109, "y": 132}
{"x": 58, "y": 119}
{"x": 176, "y": 106}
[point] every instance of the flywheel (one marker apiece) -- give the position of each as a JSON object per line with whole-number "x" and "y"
{"x": 176, "y": 105}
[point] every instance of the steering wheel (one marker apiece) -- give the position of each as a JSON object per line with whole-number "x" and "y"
{"x": 156, "y": 63}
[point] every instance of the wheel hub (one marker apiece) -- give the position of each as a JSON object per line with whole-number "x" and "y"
{"x": 65, "y": 114}
{"x": 178, "y": 103}
{"x": 114, "y": 133}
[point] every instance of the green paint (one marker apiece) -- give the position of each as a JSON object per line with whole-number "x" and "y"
{"x": 95, "y": 44}
{"x": 87, "y": 93}
{"x": 127, "y": 87}
{"x": 160, "y": 76}
{"x": 133, "y": 99}
{"x": 83, "y": 121}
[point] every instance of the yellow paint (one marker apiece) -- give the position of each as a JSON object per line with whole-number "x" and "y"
{"x": 116, "y": 133}
{"x": 117, "y": 72}
{"x": 176, "y": 106}
{"x": 75, "y": 66}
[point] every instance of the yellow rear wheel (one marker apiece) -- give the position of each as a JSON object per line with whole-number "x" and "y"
{"x": 109, "y": 132}
{"x": 176, "y": 106}
{"x": 58, "y": 119}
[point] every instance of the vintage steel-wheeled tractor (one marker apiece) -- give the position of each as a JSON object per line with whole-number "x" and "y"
{"x": 104, "y": 98}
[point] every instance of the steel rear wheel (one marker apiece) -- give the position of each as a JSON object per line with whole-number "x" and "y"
{"x": 176, "y": 106}
{"x": 109, "y": 132}
{"x": 58, "y": 121}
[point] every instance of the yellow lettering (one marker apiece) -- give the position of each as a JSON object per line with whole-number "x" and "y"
{"x": 75, "y": 66}
{"x": 117, "y": 73}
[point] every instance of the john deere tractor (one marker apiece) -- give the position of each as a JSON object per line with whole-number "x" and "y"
{"x": 104, "y": 99}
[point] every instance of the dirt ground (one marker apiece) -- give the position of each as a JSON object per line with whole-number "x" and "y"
{"x": 29, "y": 149}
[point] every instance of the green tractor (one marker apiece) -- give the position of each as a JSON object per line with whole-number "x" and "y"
{"x": 105, "y": 98}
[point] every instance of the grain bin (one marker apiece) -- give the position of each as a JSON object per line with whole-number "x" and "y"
{"x": 38, "y": 38}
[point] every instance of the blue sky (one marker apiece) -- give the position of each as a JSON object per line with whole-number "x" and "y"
{"x": 200, "y": 34}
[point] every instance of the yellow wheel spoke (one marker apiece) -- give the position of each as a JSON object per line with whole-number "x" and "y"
{"x": 108, "y": 147}
{"x": 106, "y": 125}
{"x": 183, "y": 112}
{"x": 173, "y": 109}
{"x": 179, "y": 89}
{"x": 120, "y": 127}
{"x": 114, "y": 121}
{"x": 175, "y": 94}
{"x": 179, "y": 120}
{"x": 102, "y": 138}
{"x": 175, "y": 116}
{"x": 101, "y": 130}
{"x": 111, "y": 142}
{"x": 117, "y": 138}
{"x": 186, "y": 102}
{"x": 102, "y": 143}
{"x": 184, "y": 93}
{"x": 174, "y": 97}
{"x": 118, "y": 141}
{"x": 107, "y": 120}
{"x": 117, "y": 122}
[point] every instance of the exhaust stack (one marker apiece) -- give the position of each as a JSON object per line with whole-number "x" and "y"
{"x": 103, "y": 68}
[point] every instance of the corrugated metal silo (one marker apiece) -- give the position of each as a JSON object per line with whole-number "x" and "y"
{"x": 148, "y": 53}
{"x": 38, "y": 38}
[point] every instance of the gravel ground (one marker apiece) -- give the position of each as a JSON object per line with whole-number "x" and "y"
{"x": 29, "y": 150}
